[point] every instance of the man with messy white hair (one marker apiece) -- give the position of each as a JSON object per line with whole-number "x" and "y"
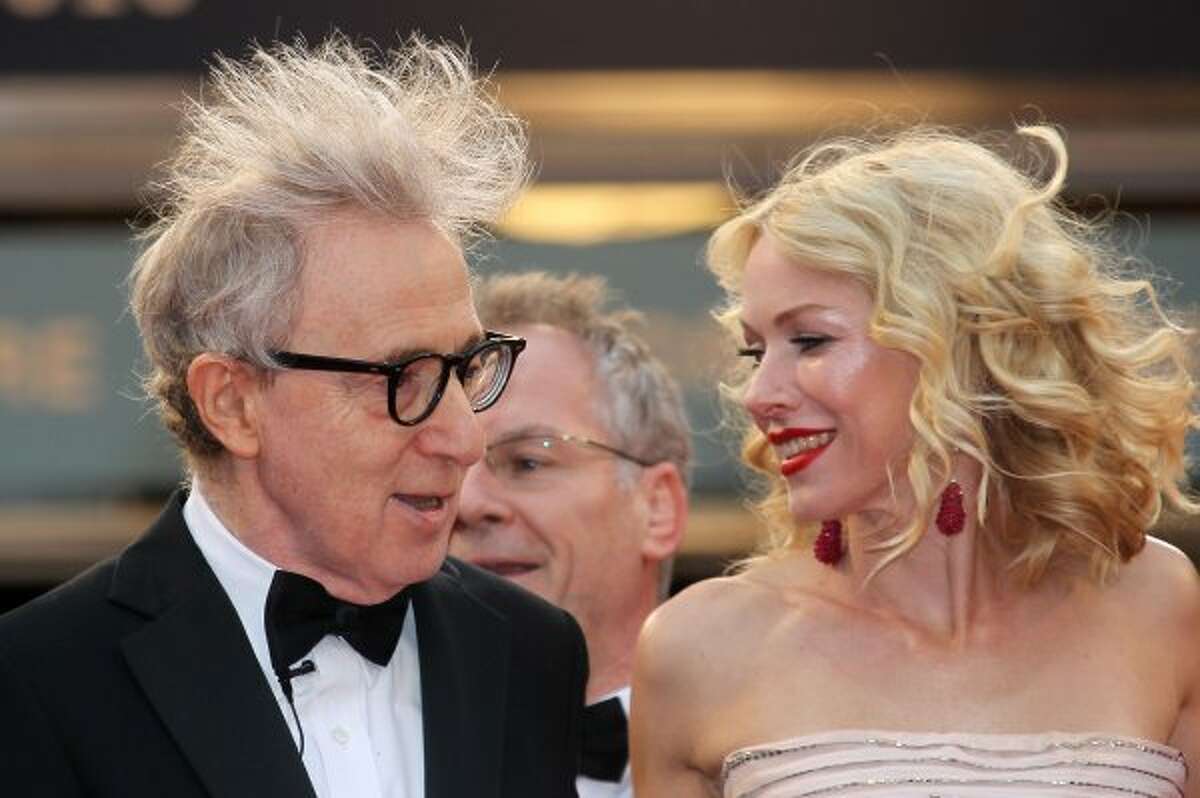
{"x": 291, "y": 625}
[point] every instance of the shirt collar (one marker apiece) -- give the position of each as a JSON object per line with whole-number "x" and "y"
{"x": 244, "y": 575}
{"x": 621, "y": 694}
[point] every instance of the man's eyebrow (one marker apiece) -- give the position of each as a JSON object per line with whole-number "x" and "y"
{"x": 528, "y": 431}
{"x": 396, "y": 355}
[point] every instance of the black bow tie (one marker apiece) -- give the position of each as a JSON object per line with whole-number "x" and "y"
{"x": 300, "y": 612}
{"x": 605, "y": 741}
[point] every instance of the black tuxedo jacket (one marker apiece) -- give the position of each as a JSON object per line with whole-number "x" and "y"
{"x": 137, "y": 679}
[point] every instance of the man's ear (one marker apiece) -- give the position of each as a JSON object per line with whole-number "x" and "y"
{"x": 666, "y": 504}
{"x": 225, "y": 391}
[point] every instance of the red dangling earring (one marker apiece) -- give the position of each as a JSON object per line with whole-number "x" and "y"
{"x": 827, "y": 547}
{"x": 951, "y": 516}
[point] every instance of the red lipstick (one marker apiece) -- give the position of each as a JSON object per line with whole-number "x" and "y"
{"x": 801, "y": 460}
{"x": 783, "y": 435}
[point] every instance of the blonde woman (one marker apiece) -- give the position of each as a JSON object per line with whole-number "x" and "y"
{"x": 967, "y": 413}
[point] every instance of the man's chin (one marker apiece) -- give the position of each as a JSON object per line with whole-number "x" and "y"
{"x": 535, "y": 582}
{"x": 528, "y": 575}
{"x": 513, "y": 571}
{"x": 393, "y": 572}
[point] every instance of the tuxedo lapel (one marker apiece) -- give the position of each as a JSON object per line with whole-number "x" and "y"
{"x": 464, "y": 673}
{"x": 195, "y": 664}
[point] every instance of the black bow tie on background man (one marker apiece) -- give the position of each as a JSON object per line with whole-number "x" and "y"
{"x": 299, "y": 612}
{"x": 605, "y": 741}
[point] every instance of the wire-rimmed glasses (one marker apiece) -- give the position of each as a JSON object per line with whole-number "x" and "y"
{"x": 530, "y": 459}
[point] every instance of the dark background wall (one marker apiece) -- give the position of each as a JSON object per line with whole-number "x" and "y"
{"x": 1106, "y": 37}
{"x": 621, "y": 97}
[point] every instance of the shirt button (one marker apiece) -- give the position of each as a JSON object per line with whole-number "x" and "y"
{"x": 341, "y": 736}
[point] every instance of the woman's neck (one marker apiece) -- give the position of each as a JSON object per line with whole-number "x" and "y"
{"x": 941, "y": 585}
{"x": 944, "y": 586}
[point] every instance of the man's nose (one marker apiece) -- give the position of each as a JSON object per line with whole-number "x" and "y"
{"x": 482, "y": 501}
{"x": 453, "y": 431}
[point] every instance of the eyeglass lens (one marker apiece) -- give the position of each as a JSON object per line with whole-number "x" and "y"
{"x": 537, "y": 461}
{"x": 419, "y": 384}
{"x": 528, "y": 461}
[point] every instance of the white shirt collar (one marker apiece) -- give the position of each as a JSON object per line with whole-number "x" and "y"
{"x": 351, "y": 715}
{"x": 245, "y": 576}
{"x": 621, "y": 694}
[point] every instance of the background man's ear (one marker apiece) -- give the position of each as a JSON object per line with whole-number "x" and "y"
{"x": 225, "y": 392}
{"x": 667, "y": 510}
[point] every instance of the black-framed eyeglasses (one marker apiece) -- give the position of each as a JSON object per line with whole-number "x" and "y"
{"x": 531, "y": 459}
{"x": 416, "y": 383}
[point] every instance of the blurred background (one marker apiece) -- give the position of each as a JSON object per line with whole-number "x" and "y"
{"x": 640, "y": 113}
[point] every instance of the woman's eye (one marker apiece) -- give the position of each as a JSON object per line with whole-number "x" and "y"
{"x": 806, "y": 343}
{"x": 754, "y": 354}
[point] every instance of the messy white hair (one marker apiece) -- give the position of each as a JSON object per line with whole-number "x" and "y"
{"x": 274, "y": 144}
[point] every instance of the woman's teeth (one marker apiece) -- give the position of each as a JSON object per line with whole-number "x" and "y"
{"x": 791, "y": 448}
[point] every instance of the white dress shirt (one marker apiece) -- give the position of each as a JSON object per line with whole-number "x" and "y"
{"x": 593, "y": 788}
{"x": 362, "y": 722}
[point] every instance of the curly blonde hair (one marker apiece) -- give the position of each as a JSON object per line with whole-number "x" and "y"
{"x": 1043, "y": 355}
{"x": 275, "y": 144}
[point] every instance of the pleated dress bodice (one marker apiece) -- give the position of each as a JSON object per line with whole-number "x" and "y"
{"x": 869, "y": 764}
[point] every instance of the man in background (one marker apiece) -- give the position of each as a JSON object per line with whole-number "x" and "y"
{"x": 290, "y": 625}
{"x": 582, "y": 494}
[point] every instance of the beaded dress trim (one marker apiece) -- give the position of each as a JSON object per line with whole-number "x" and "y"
{"x": 875, "y": 763}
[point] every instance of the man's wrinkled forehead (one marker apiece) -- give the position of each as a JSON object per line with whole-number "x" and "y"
{"x": 390, "y": 286}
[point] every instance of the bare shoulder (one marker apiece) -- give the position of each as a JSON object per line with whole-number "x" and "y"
{"x": 1162, "y": 578}
{"x": 699, "y": 659}
{"x": 703, "y": 634}
{"x": 1158, "y": 591}
{"x": 1166, "y": 588}
{"x": 689, "y": 668}
{"x": 700, "y": 617}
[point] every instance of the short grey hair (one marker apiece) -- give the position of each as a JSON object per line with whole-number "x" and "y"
{"x": 274, "y": 144}
{"x": 640, "y": 402}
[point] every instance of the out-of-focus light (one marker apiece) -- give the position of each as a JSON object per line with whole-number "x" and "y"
{"x": 166, "y": 8}
{"x": 97, "y": 9}
{"x": 592, "y": 213}
{"x": 32, "y": 9}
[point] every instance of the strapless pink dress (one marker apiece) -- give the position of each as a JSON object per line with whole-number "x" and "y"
{"x": 858, "y": 764}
